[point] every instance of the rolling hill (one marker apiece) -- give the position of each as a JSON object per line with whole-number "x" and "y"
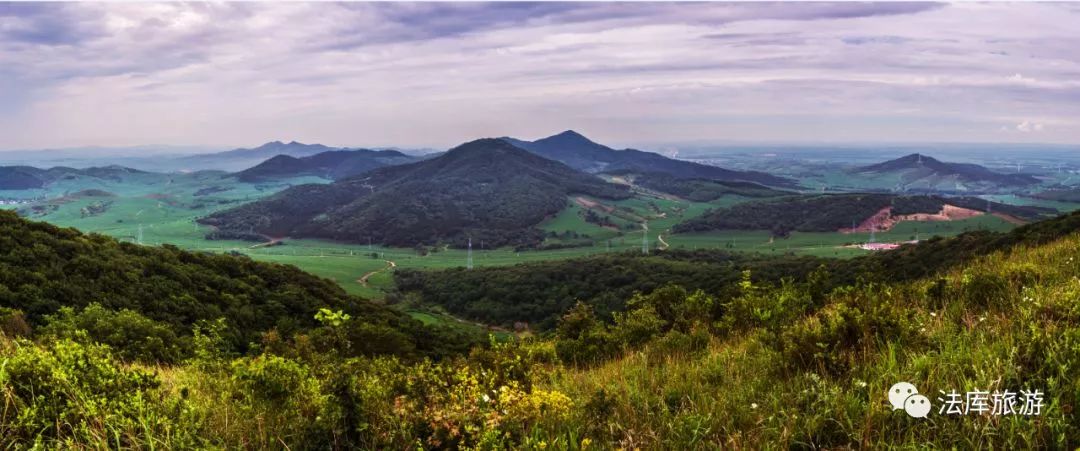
{"x": 917, "y": 168}
{"x": 836, "y": 212}
{"x": 580, "y": 153}
{"x": 485, "y": 189}
{"x": 26, "y": 177}
{"x": 334, "y": 164}
{"x": 45, "y": 269}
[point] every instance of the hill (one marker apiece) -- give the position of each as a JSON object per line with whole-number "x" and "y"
{"x": 582, "y": 154}
{"x": 27, "y": 177}
{"x": 44, "y": 269}
{"x": 243, "y": 158}
{"x": 335, "y": 164}
{"x": 795, "y": 363}
{"x": 701, "y": 190}
{"x": 526, "y": 292}
{"x": 917, "y": 167}
{"x": 485, "y": 189}
{"x": 837, "y": 212}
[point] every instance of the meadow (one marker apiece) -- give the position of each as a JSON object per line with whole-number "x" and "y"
{"x": 153, "y": 211}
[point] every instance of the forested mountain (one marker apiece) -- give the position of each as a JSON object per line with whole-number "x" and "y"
{"x": 334, "y": 164}
{"x": 831, "y": 212}
{"x": 165, "y": 291}
{"x": 539, "y": 292}
{"x": 27, "y": 177}
{"x": 917, "y": 167}
{"x": 583, "y": 154}
{"x": 485, "y": 189}
{"x": 702, "y": 190}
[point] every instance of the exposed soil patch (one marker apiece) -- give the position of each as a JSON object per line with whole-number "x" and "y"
{"x": 884, "y": 219}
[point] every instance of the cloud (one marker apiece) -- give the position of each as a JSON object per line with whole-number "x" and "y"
{"x": 435, "y": 74}
{"x": 1028, "y": 126}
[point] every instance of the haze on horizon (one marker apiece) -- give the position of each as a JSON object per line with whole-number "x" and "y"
{"x": 437, "y": 74}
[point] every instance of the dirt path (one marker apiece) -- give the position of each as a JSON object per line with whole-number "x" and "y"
{"x": 663, "y": 244}
{"x": 364, "y": 278}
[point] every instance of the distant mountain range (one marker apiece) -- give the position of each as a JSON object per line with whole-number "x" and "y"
{"x": 26, "y": 177}
{"x": 579, "y": 152}
{"x": 334, "y": 164}
{"x": 485, "y": 190}
{"x": 917, "y": 167}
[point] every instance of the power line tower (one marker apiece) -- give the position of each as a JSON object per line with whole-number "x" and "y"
{"x": 645, "y": 238}
{"x": 468, "y": 258}
{"x": 138, "y": 238}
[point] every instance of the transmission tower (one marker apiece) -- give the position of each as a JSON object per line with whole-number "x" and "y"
{"x": 138, "y": 238}
{"x": 644, "y": 238}
{"x": 468, "y": 258}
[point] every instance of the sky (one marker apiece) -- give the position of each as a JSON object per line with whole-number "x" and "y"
{"x": 438, "y": 74}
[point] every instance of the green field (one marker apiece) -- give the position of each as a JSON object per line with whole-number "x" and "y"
{"x": 155, "y": 209}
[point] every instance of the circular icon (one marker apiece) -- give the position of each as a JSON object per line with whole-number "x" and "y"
{"x": 899, "y": 392}
{"x": 917, "y": 406}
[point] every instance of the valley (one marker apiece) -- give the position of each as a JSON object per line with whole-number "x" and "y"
{"x": 165, "y": 208}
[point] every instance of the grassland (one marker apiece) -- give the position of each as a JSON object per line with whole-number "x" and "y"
{"x": 163, "y": 211}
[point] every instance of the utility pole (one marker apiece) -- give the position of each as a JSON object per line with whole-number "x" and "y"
{"x": 468, "y": 259}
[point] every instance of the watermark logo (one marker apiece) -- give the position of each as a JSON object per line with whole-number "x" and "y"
{"x": 905, "y": 396}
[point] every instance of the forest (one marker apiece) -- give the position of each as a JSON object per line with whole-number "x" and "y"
{"x": 791, "y": 364}
{"x": 149, "y": 297}
{"x": 485, "y": 190}
{"x": 831, "y": 212}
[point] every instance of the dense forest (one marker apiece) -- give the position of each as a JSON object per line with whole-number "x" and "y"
{"x": 831, "y": 212}
{"x": 539, "y": 292}
{"x": 703, "y": 190}
{"x": 486, "y": 189}
{"x": 152, "y": 296}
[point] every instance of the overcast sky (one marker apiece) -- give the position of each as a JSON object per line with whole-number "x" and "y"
{"x": 437, "y": 74}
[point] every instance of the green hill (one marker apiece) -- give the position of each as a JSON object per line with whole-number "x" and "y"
{"x": 337, "y": 164}
{"x": 916, "y": 168}
{"x": 485, "y": 189}
{"x": 832, "y": 212}
{"x": 580, "y": 153}
{"x": 44, "y": 269}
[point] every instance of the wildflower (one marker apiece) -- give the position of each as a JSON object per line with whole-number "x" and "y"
{"x": 585, "y": 442}
{"x": 753, "y": 405}
{"x": 922, "y": 329}
{"x": 933, "y": 314}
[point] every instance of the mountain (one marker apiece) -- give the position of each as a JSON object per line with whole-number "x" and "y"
{"x": 485, "y": 189}
{"x": 583, "y": 154}
{"x": 28, "y": 177}
{"x": 240, "y": 159}
{"x": 334, "y": 164}
{"x": 21, "y": 178}
{"x": 916, "y": 167}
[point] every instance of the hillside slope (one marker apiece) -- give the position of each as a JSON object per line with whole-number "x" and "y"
{"x": 834, "y": 212}
{"x": 485, "y": 189}
{"x": 27, "y": 177}
{"x": 580, "y": 153}
{"x": 916, "y": 167}
{"x": 335, "y": 164}
{"x": 44, "y": 268}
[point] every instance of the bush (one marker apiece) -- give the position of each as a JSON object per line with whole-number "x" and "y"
{"x": 132, "y": 336}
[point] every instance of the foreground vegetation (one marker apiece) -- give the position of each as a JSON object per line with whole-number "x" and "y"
{"x": 782, "y": 363}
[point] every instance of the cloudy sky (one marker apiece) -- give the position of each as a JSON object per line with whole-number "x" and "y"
{"x": 437, "y": 74}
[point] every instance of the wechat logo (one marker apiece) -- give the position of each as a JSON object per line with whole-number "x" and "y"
{"x": 904, "y": 395}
